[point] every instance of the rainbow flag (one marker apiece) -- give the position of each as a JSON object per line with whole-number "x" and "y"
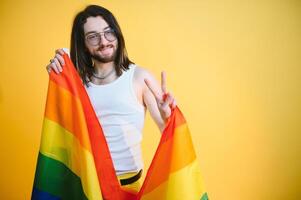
{"x": 74, "y": 161}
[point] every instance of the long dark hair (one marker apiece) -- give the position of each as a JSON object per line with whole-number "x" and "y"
{"x": 81, "y": 57}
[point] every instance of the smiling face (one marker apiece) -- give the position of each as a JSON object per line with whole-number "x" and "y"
{"x": 105, "y": 50}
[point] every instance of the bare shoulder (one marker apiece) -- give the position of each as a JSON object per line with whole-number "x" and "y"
{"x": 141, "y": 74}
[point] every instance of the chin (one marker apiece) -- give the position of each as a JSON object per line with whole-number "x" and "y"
{"x": 106, "y": 59}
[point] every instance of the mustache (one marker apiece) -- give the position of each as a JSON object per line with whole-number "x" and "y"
{"x": 104, "y": 46}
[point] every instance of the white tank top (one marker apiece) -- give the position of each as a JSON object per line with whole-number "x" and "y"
{"x": 121, "y": 116}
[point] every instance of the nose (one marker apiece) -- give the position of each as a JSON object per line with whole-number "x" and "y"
{"x": 102, "y": 39}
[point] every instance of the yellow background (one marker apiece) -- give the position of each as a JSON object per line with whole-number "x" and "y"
{"x": 233, "y": 66}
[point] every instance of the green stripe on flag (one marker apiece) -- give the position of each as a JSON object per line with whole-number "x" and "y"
{"x": 204, "y": 197}
{"x": 55, "y": 178}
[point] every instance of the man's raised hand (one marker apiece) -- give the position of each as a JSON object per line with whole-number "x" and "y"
{"x": 164, "y": 99}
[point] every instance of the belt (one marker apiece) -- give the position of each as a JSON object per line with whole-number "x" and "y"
{"x": 132, "y": 179}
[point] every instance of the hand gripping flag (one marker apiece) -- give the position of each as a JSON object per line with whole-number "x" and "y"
{"x": 74, "y": 161}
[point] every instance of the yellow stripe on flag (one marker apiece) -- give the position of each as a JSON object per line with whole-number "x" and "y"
{"x": 66, "y": 109}
{"x": 59, "y": 144}
{"x": 183, "y": 184}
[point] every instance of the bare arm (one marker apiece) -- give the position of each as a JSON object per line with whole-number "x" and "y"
{"x": 152, "y": 95}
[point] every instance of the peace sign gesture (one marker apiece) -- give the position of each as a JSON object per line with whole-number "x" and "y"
{"x": 165, "y": 101}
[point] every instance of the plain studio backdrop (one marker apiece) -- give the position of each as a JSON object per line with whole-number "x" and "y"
{"x": 233, "y": 66}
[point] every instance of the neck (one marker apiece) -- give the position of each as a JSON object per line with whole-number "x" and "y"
{"x": 103, "y": 68}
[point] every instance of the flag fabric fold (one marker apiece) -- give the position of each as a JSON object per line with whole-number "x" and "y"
{"x": 74, "y": 161}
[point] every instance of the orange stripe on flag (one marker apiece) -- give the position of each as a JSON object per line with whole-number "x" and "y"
{"x": 65, "y": 109}
{"x": 174, "y": 152}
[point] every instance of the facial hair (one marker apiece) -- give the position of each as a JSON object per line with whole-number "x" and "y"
{"x": 104, "y": 59}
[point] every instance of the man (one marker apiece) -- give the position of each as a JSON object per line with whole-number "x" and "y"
{"x": 119, "y": 90}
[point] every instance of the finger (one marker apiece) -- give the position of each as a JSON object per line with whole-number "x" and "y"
{"x": 48, "y": 68}
{"x": 60, "y": 58}
{"x": 60, "y": 51}
{"x": 163, "y": 82}
{"x": 170, "y": 95}
{"x": 53, "y": 66}
{"x": 165, "y": 107}
{"x": 58, "y": 65}
{"x": 157, "y": 95}
{"x": 171, "y": 99}
{"x": 174, "y": 104}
